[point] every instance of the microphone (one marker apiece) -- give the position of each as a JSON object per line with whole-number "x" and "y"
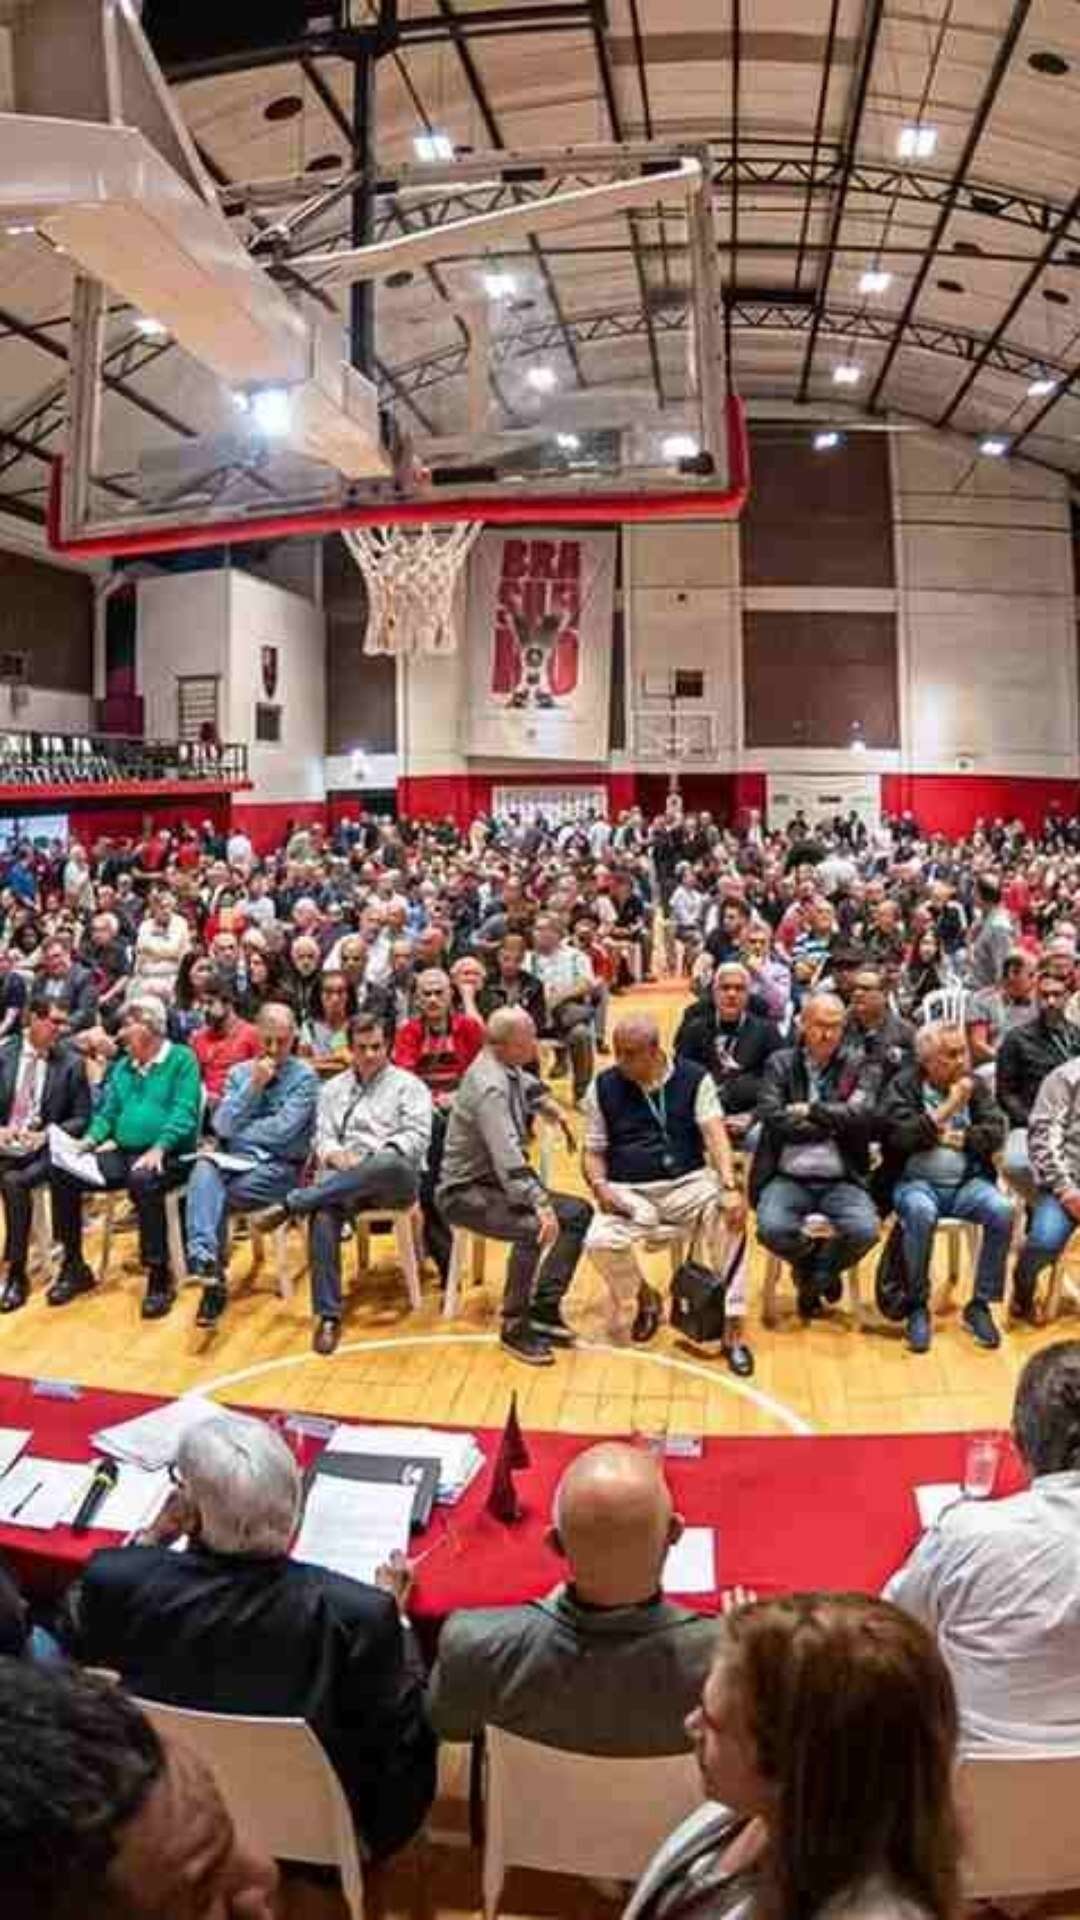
{"x": 105, "y": 1477}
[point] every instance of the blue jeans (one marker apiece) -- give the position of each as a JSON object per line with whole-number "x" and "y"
{"x": 1049, "y": 1231}
{"x": 212, "y": 1195}
{"x": 784, "y": 1204}
{"x": 920, "y": 1203}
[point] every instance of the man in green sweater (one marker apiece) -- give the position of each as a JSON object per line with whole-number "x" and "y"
{"x": 147, "y": 1118}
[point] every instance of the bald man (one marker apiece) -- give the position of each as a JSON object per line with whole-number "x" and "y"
{"x": 488, "y": 1185}
{"x": 657, "y": 1155}
{"x": 604, "y": 1664}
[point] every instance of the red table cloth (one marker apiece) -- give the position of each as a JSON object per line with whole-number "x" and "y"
{"x": 789, "y": 1513}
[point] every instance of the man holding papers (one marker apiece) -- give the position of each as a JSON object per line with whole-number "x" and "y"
{"x": 265, "y": 1123}
{"x": 42, "y": 1083}
{"x": 233, "y": 1625}
{"x": 372, "y": 1133}
{"x": 147, "y": 1120}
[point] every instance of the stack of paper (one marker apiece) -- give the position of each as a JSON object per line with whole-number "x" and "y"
{"x": 459, "y": 1455}
{"x": 353, "y": 1526}
{"x": 134, "y": 1502}
{"x": 43, "y": 1493}
{"x": 690, "y": 1566}
{"x": 12, "y": 1442}
{"x": 74, "y": 1157}
{"x": 151, "y": 1439}
{"x": 935, "y": 1498}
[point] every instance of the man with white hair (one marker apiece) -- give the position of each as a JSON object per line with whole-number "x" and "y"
{"x": 940, "y": 1129}
{"x": 604, "y": 1664}
{"x": 657, "y": 1155}
{"x": 233, "y": 1625}
{"x": 147, "y": 1120}
{"x": 488, "y": 1185}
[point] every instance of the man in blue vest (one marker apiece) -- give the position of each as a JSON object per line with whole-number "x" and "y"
{"x": 657, "y": 1154}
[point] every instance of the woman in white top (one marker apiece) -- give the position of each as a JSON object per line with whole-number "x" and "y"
{"x": 826, "y": 1739}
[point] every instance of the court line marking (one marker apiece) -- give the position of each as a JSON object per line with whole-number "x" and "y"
{"x": 756, "y": 1397}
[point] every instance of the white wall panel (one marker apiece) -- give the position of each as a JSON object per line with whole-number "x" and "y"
{"x": 264, "y": 615}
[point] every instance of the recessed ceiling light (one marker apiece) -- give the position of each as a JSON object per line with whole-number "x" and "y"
{"x": 271, "y": 410}
{"x": 285, "y": 107}
{"x": 987, "y": 203}
{"x": 967, "y": 248}
{"x": 150, "y": 328}
{"x": 17, "y": 229}
{"x": 679, "y": 446}
{"x": 569, "y": 442}
{"x": 826, "y": 441}
{"x": 1039, "y": 388}
{"x": 846, "y": 374}
{"x": 499, "y": 286}
{"x": 993, "y": 446}
{"x": 324, "y": 163}
{"x": 433, "y": 146}
{"x": 916, "y": 141}
{"x": 950, "y": 286}
{"x": 1055, "y": 296}
{"x": 875, "y": 280}
{"x": 542, "y": 379}
{"x": 1043, "y": 61}
{"x": 402, "y": 278}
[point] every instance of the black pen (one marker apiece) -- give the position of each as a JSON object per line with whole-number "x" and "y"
{"x": 26, "y": 1499}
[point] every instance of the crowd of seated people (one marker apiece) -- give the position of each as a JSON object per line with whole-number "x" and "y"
{"x": 880, "y": 1023}
{"x": 826, "y": 1727}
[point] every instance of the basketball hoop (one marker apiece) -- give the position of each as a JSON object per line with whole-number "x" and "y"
{"x": 411, "y": 574}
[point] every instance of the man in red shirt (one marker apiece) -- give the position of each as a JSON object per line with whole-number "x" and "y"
{"x": 438, "y": 1046}
{"x": 224, "y": 1041}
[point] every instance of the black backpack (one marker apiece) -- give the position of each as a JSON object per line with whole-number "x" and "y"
{"x": 699, "y": 1298}
{"x": 892, "y": 1288}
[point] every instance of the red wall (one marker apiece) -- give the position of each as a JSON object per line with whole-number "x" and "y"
{"x": 265, "y": 822}
{"x": 952, "y": 802}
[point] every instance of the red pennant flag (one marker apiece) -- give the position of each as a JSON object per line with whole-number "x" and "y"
{"x": 502, "y": 1501}
{"x": 515, "y": 1439}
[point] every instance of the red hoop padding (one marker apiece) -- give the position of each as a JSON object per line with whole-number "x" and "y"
{"x": 562, "y": 509}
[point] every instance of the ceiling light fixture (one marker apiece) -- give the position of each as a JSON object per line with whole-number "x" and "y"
{"x": 569, "y": 442}
{"x": 679, "y": 446}
{"x": 846, "y": 374}
{"x": 433, "y": 146}
{"x": 499, "y": 285}
{"x": 271, "y": 410}
{"x": 150, "y": 328}
{"x": 875, "y": 280}
{"x": 1039, "y": 388}
{"x": 826, "y": 441}
{"x": 993, "y": 447}
{"x": 916, "y": 142}
{"x": 18, "y": 229}
{"x": 542, "y": 379}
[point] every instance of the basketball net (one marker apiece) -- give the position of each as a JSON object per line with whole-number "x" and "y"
{"x": 411, "y": 574}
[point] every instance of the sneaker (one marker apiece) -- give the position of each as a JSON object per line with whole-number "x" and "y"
{"x": 212, "y": 1305}
{"x": 918, "y": 1330}
{"x": 159, "y": 1296}
{"x": 552, "y": 1327}
{"x": 202, "y": 1267}
{"x": 522, "y": 1343}
{"x": 739, "y": 1358}
{"x": 979, "y": 1322}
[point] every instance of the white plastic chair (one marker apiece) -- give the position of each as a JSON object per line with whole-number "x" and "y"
{"x": 279, "y": 1240}
{"x": 468, "y": 1248}
{"x": 114, "y": 1220}
{"x": 774, "y": 1267}
{"x": 1021, "y": 1831}
{"x": 283, "y": 1794}
{"x": 578, "y": 1813}
{"x": 404, "y": 1225}
{"x": 946, "y": 1007}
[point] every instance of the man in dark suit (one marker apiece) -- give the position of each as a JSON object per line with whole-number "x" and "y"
{"x": 67, "y": 983}
{"x": 42, "y": 1083}
{"x": 732, "y": 1044}
{"x": 233, "y": 1625}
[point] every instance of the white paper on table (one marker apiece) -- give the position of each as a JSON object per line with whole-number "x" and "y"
{"x": 228, "y": 1162}
{"x": 934, "y": 1499}
{"x": 459, "y": 1454}
{"x": 151, "y": 1439}
{"x": 136, "y": 1499}
{"x": 74, "y": 1157}
{"x": 353, "y": 1526}
{"x": 690, "y": 1566}
{"x": 43, "y": 1493}
{"x": 12, "y": 1442}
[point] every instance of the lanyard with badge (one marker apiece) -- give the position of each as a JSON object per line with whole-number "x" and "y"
{"x": 657, "y": 1106}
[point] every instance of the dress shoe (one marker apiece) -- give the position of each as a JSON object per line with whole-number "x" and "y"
{"x": 212, "y": 1304}
{"x": 69, "y": 1284}
{"x": 523, "y": 1344}
{"x": 647, "y": 1318}
{"x": 739, "y": 1358}
{"x": 159, "y": 1296}
{"x": 979, "y": 1322}
{"x": 918, "y": 1330}
{"x": 554, "y": 1328}
{"x": 16, "y": 1290}
{"x": 326, "y": 1336}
